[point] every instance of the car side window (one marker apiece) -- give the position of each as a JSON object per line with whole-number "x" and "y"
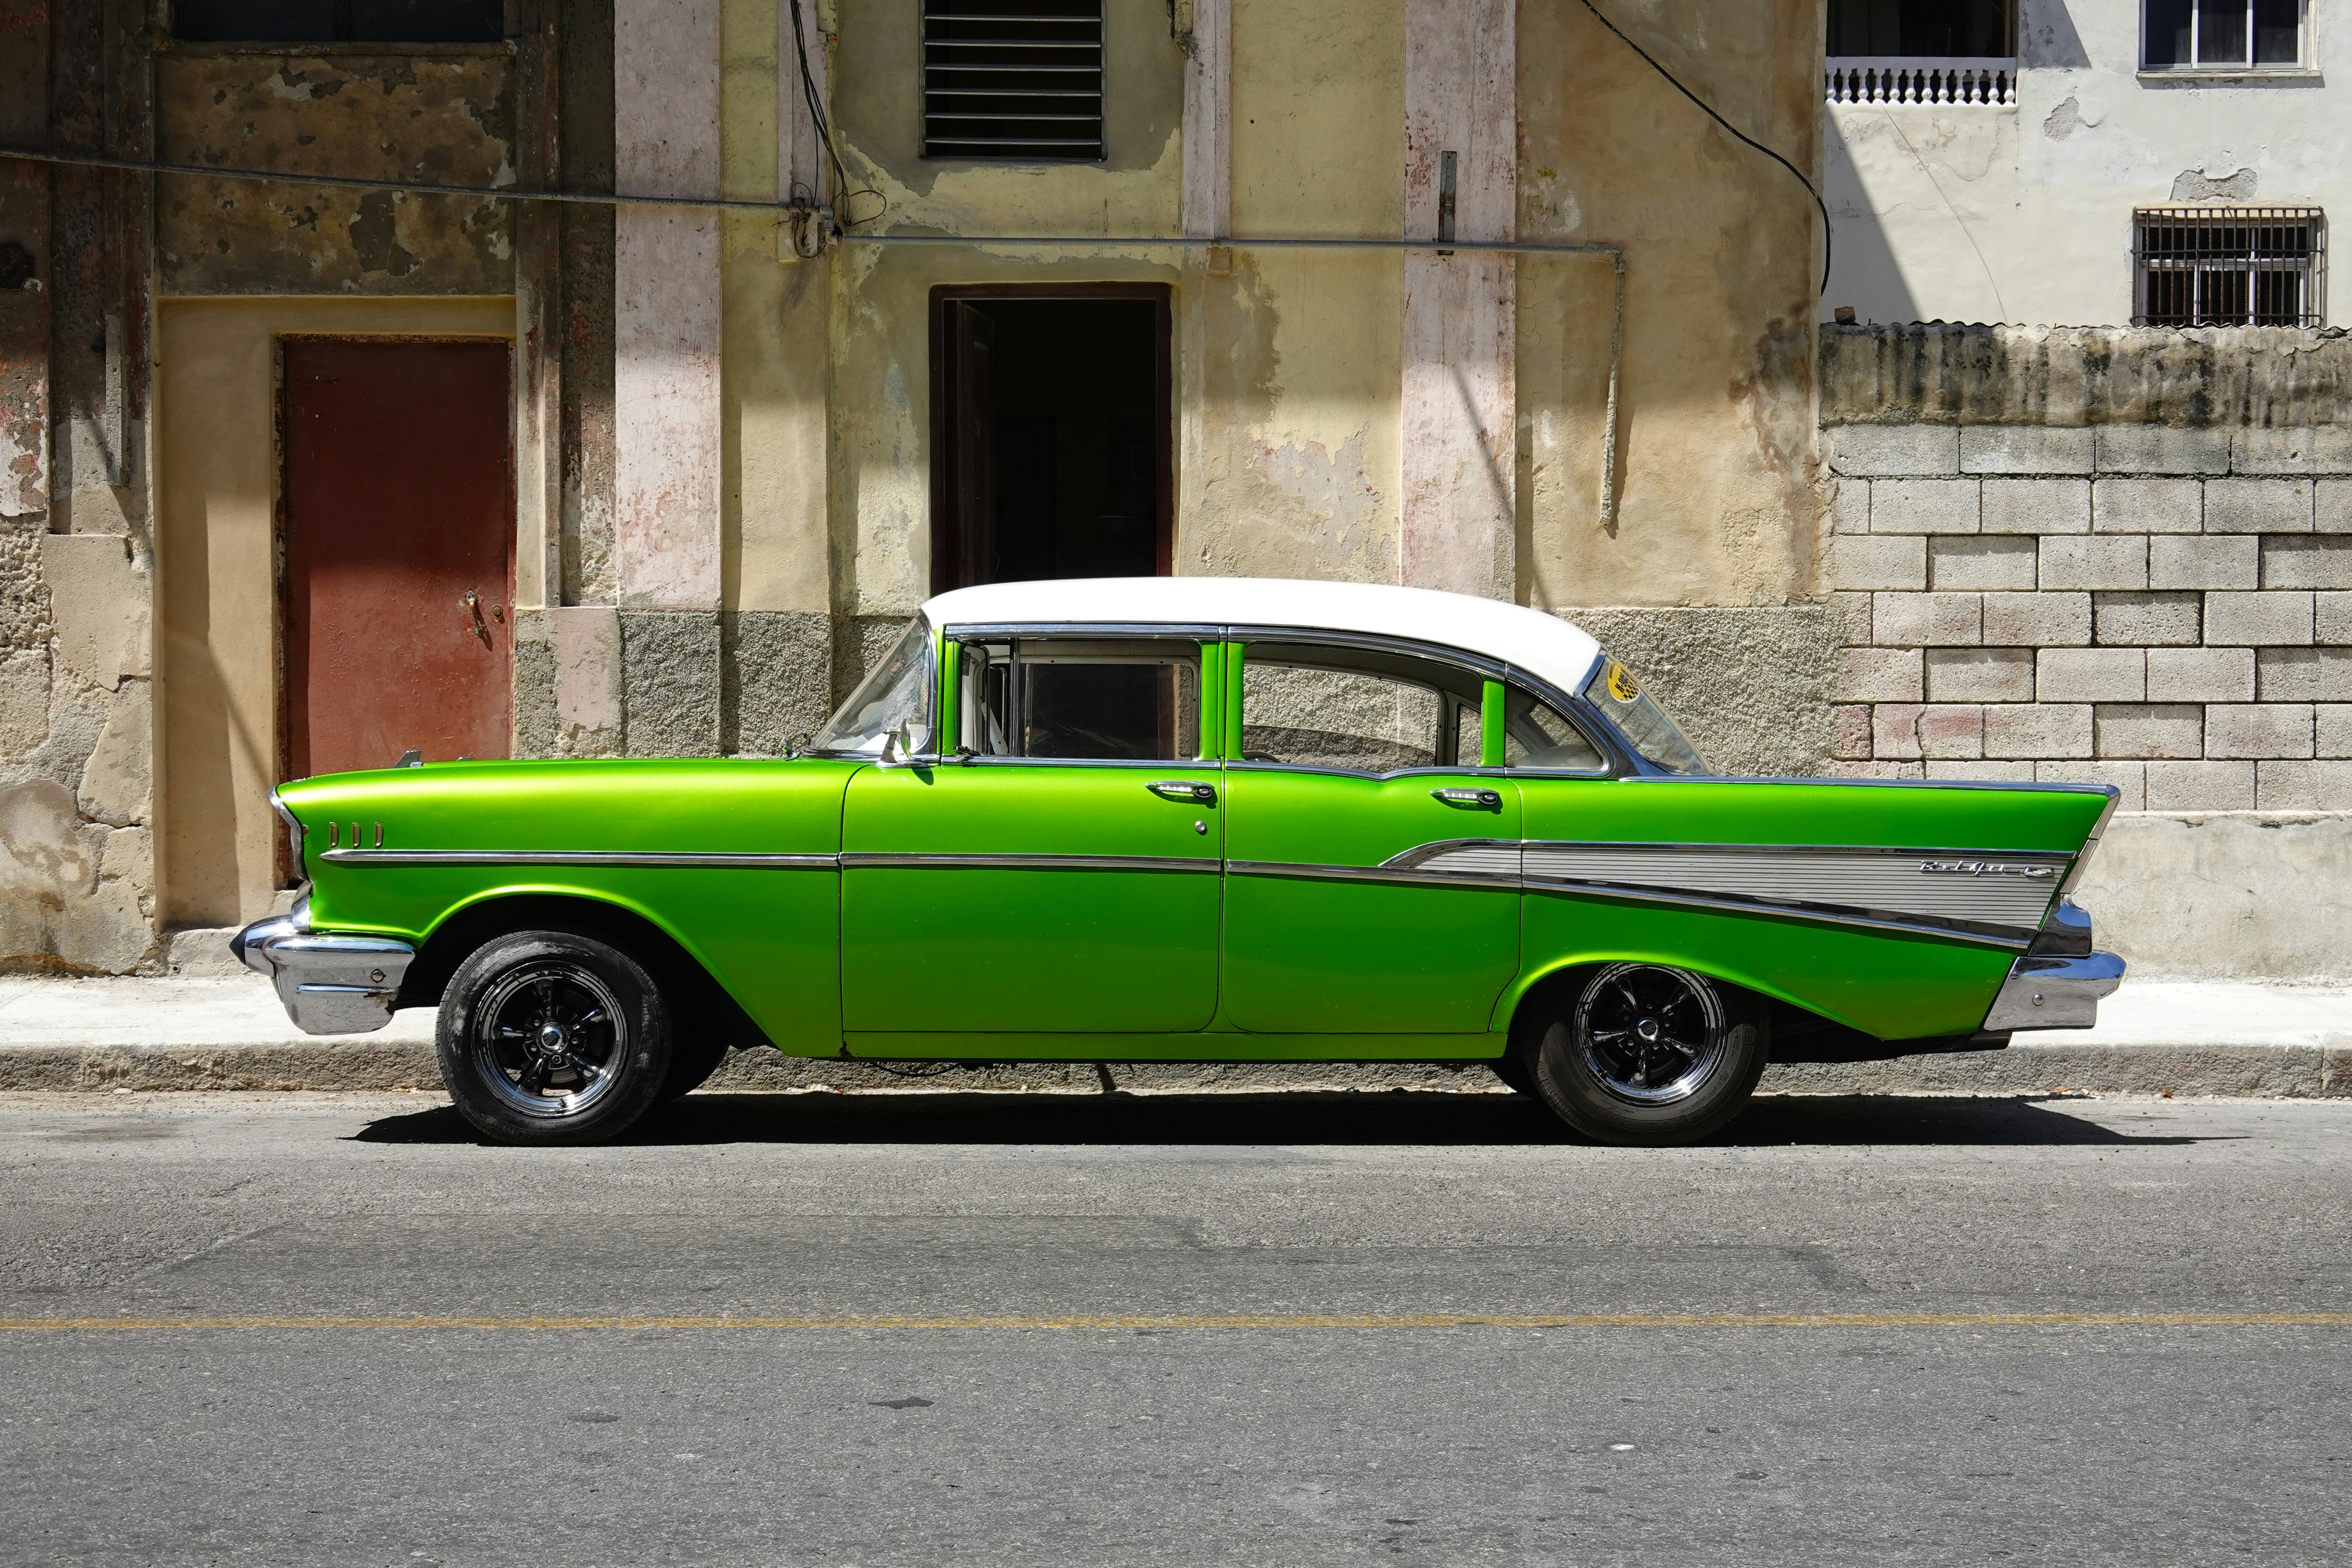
{"x": 1081, "y": 699}
{"x": 1357, "y": 710}
{"x": 1537, "y": 735}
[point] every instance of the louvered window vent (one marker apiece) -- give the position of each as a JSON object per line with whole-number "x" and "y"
{"x": 1012, "y": 81}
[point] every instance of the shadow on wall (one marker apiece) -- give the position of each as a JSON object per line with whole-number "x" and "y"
{"x": 1863, "y": 269}
{"x": 2046, "y": 39}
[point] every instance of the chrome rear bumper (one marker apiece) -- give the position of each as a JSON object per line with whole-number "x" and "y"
{"x": 333, "y": 982}
{"x": 2053, "y": 993}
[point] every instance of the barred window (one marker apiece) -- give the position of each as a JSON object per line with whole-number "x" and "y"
{"x": 1012, "y": 81}
{"x": 2223, "y": 34}
{"x": 2229, "y": 267}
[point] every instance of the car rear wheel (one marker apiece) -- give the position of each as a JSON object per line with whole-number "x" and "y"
{"x": 1644, "y": 1054}
{"x": 553, "y": 1038}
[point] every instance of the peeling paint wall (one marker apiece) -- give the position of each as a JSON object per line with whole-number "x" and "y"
{"x": 1292, "y": 435}
{"x": 2021, "y": 213}
{"x": 1715, "y": 493}
{"x": 442, "y": 116}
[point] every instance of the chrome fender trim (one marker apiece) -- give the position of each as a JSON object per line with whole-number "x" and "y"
{"x": 331, "y": 983}
{"x": 2053, "y": 993}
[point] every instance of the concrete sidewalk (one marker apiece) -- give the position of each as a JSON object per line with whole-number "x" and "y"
{"x": 215, "y": 1033}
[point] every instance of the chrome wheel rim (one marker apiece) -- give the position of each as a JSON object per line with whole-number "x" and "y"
{"x": 549, "y": 1038}
{"x": 1649, "y": 1035}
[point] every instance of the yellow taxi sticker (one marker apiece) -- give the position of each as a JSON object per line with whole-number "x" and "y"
{"x": 1621, "y": 683}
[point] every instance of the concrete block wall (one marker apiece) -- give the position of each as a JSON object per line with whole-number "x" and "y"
{"x": 2164, "y": 608}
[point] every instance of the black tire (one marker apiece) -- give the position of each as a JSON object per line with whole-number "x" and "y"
{"x": 1512, "y": 1068}
{"x": 602, "y": 1065}
{"x": 695, "y": 1052}
{"x": 1644, "y": 1054}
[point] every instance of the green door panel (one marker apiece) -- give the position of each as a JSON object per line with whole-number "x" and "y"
{"x": 767, "y": 928}
{"x": 1023, "y": 897}
{"x": 1310, "y": 949}
{"x": 1891, "y": 984}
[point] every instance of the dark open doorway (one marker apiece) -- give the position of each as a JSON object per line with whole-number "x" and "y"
{"x": 1052, "y": 455}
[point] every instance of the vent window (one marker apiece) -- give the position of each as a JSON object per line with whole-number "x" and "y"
{"x": 1012, "y": 81}
{"x": 2230, "y": 267}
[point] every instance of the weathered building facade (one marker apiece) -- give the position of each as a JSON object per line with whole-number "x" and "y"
{"x": 301, "y": 474}
{"x": 609, "y": 377}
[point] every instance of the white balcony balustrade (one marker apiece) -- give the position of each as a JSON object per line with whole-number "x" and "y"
{"x": 1855, "y": 79}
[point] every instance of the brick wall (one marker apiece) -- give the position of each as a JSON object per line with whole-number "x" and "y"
{"x": 2163, "y": 607}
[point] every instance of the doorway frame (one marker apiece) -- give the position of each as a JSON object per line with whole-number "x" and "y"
{"x": 215, "y": 642}
{"x": 947, "y": 532}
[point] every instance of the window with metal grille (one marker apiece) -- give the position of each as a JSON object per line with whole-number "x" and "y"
{"x": 1012, "y": 81}
{"x": 2230, "y": 267}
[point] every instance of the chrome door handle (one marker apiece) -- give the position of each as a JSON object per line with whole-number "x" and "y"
{"x": 1184, "y": 789}
{"x": 1482, "y": 799}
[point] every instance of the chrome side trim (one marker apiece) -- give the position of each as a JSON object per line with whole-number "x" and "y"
{"x": 1965, "y": 888}
{"x": 1390, "y": 873}
{"x": 2053, "y": 993}
{"x": 1506, "y": 863}
{"x": 626, "y": 857}
{"x": 868, "y": 859}
{"x": 1979, "y": 935}
{"x": 1469, "y": 857}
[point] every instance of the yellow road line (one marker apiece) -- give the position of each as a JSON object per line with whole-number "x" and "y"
{"x": 1239, "y": 1320}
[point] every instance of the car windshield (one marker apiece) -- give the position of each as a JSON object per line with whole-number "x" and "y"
{"x": 895, "y": 695}
{"x": 1641, "y": 721}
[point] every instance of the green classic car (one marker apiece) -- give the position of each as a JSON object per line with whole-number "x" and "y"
{"x": 1191, "y": 819}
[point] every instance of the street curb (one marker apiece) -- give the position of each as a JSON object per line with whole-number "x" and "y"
{"x": 2268, "y": 1072}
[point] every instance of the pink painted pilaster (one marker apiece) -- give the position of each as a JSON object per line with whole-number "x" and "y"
{"x": 666, "y": 329}
{"x": 1459, "y": 396}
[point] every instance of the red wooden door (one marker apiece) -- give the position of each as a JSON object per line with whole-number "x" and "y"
{"x": 398, "y": 501}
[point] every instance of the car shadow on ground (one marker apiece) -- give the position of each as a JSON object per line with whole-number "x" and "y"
{"x": 1294, "y": 1118}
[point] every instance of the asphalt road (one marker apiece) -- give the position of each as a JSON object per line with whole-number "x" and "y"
{"x": 1220, "y": 1330}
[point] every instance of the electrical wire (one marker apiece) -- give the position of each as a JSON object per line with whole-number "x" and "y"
{"x": 1708, "y": 108}
{"x": 815, "y": 101}
{"x": 776, "y": 208}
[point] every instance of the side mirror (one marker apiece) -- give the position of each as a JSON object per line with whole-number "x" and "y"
{"x": 896, "y": 749}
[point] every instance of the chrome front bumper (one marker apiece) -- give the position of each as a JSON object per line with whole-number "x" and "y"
{"x": 2053, "y": 993}
{"x": 333, "y": 982}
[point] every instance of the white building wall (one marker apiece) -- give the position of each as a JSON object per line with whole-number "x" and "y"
{"x": 2021, "y": 213}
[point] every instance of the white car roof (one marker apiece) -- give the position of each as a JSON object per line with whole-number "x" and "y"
{"x": 1542, "y": 645}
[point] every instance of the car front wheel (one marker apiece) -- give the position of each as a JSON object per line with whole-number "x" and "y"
{"x": 553, "y": 1038}
{"x": 1644, "y": 1054}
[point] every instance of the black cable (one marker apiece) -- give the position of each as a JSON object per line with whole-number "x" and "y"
{"x": 1734, "y": 129}
{"x": 809, "y": 96}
